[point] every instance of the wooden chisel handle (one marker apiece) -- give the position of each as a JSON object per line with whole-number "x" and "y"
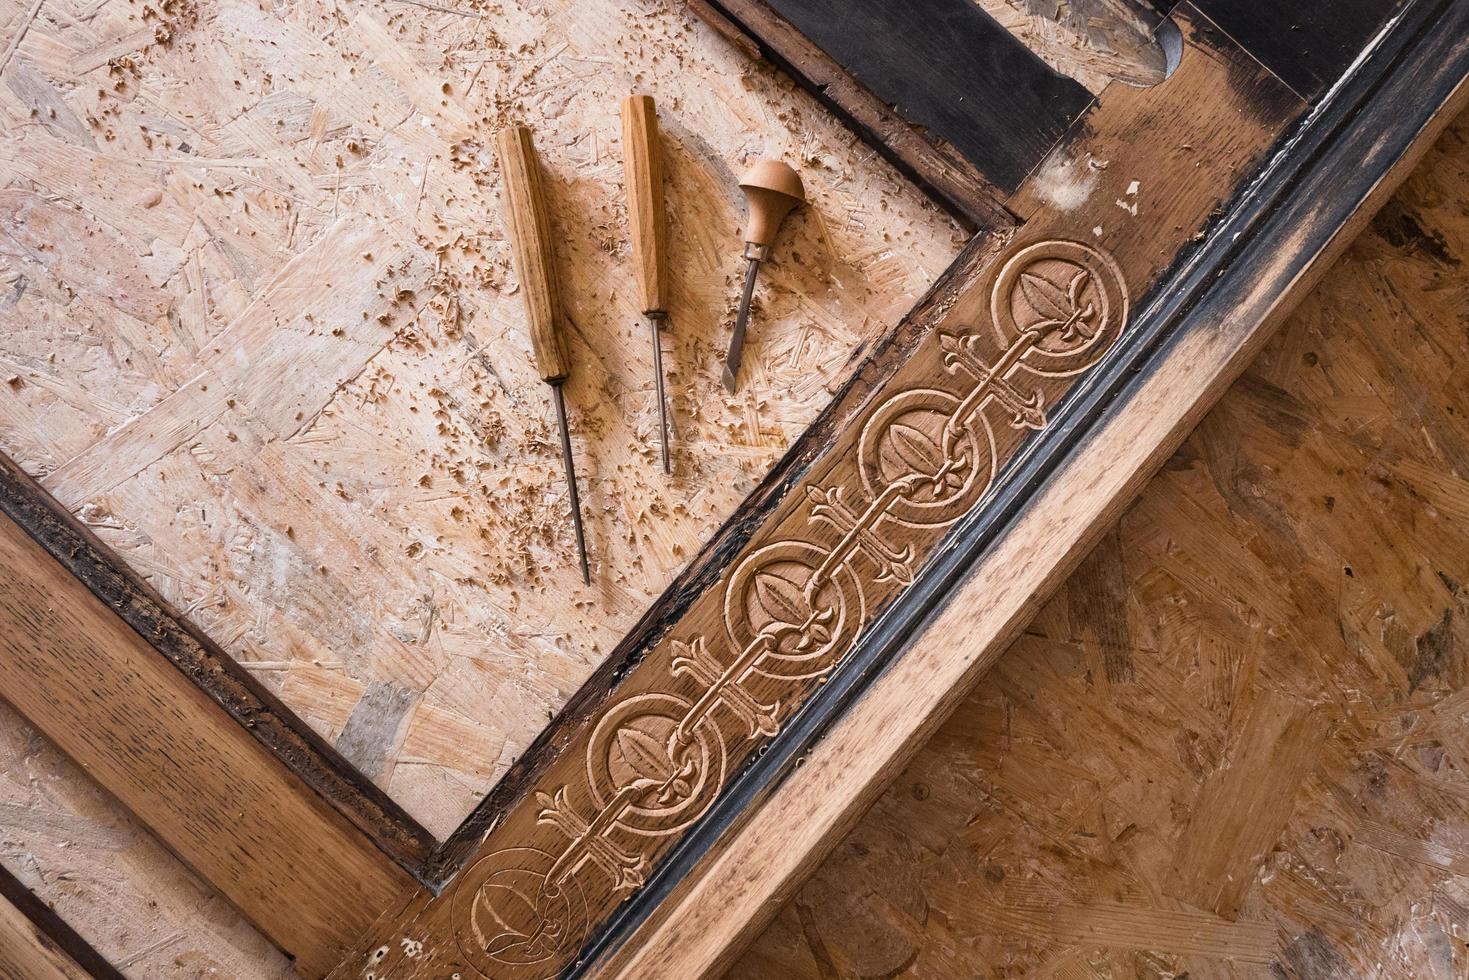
{"x": 643, "y": 165}
{"x": 530, "y": 241}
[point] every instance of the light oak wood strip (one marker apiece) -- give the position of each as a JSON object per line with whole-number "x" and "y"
{"x": 26, "y": 953}
{"x": 697, "y": 931}
{"x": 214, "y": 795}
{"x": 36, "y": 944}
{"x": 642, "y": 158}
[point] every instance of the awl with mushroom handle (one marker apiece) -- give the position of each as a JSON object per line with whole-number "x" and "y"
{"x": 643, "y": 166}
{"x": 530, "y": 242}
{"x": 772, "y": 189}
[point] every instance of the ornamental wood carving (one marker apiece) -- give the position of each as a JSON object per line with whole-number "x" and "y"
{"x": 990, "y": 356}
{"x": 792, "y": 609}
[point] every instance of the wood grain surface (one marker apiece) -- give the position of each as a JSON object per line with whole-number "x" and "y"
{"x": 79, "y": 851}
{"x": 26, "y": 953}
{"x": 35, "y": 944}
{"x": 260, "y": 332}
{"x": 1230, "y": 746}
{"x": 214, "y": 795}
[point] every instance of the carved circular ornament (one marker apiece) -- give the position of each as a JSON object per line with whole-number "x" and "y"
{"x": 672, "y": 780}
{"x": 905, "y": 440}
{"x": 770, "y": 594}
{"x": 1072, "y": 293}
{"x": 506, "y": 914}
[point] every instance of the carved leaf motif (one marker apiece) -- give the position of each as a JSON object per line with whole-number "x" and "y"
{"x": 1078, "y": 285}
{"x": 918, "y": 453}
{"x": 645, "y": 754}
{"x": 1045, "y": 297}
{"x": 949, "y": 341}
{"x": 781, "y": 599}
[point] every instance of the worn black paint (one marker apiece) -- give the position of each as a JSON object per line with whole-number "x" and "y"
{"x": 947, "y": 67}
{"x": 1308, "y": 44}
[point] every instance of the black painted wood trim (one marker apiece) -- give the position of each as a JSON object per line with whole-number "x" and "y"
{"x": 215, "y": 672}
{"x": 1308, "y": 44}
{"x": 948, "y": 68}
{"x": 54, "y": 928}
{"x": 1321, "y": 175}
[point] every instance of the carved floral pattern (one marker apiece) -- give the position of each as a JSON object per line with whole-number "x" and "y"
{"x": 793, "y": 609}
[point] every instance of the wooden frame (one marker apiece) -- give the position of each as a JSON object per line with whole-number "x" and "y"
{"x": 780, "y": 680}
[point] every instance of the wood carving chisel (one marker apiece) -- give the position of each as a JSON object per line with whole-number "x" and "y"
{"x": 530, "y": 242}
{"x": 643, "y": 166}
{"x": 772, "y": 189}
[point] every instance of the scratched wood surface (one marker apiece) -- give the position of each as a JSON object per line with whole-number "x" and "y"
{"x": 259, "y": 329}
{"x": 74, "y": 846}
{"x": 1233, "y": 745}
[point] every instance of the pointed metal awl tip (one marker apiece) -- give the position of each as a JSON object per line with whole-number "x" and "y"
{"x": 661, "y": 394}
{"x": 581, "y": 537}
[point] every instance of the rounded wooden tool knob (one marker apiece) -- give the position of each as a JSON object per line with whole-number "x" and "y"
{"x": 643, "y": 164}
{"x": 530, "y": 243}
{"x": 772, "y": 189}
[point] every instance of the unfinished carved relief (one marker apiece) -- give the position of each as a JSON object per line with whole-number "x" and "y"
{"x": 792, "y": 611}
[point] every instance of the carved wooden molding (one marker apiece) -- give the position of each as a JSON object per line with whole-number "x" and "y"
{"x": 998, "y": 352}
{"x": 790, "y": 611}
{"x": 770, "y": 634}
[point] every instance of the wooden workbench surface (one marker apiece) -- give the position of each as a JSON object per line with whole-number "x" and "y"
{"x": 259, "y": 330}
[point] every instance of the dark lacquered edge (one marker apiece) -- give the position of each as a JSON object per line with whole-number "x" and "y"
{"x": 54, "y": 928}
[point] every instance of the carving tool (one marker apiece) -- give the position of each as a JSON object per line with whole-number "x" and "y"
{"x": 772, "y": 189}
{"x": 530, "y": 242}
{"x": 643, "y": 165}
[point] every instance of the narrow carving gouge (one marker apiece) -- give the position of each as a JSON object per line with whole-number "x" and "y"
{"x": 530, "y": 242}
{"x": 643, "y": 165}
{"x": 772, "y": 189}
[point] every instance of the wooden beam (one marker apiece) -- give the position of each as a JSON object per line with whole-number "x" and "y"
{"x": 217, "y": 674}
{"x": 673, "y": 754}
{"x": 35, "y": 944}
{"x": 218, "y": 798}
{"x": 1328, "y": 187}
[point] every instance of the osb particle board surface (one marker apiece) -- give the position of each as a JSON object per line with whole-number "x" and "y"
{"x": 1233, "y": 745}
{"x": 259, "y": 329}
{"x": 109, "y": 879}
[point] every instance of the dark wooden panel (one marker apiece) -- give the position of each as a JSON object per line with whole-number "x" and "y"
{"x": 1308, "y": 43}
{"x": 946, "y": 66}
{"x": 937, "y": 167}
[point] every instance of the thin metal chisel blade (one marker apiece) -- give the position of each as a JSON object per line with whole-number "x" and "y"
{"x": 656, "y": 323}
{"x": 742, "y": 320}
{"x": 581, "y": 540}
